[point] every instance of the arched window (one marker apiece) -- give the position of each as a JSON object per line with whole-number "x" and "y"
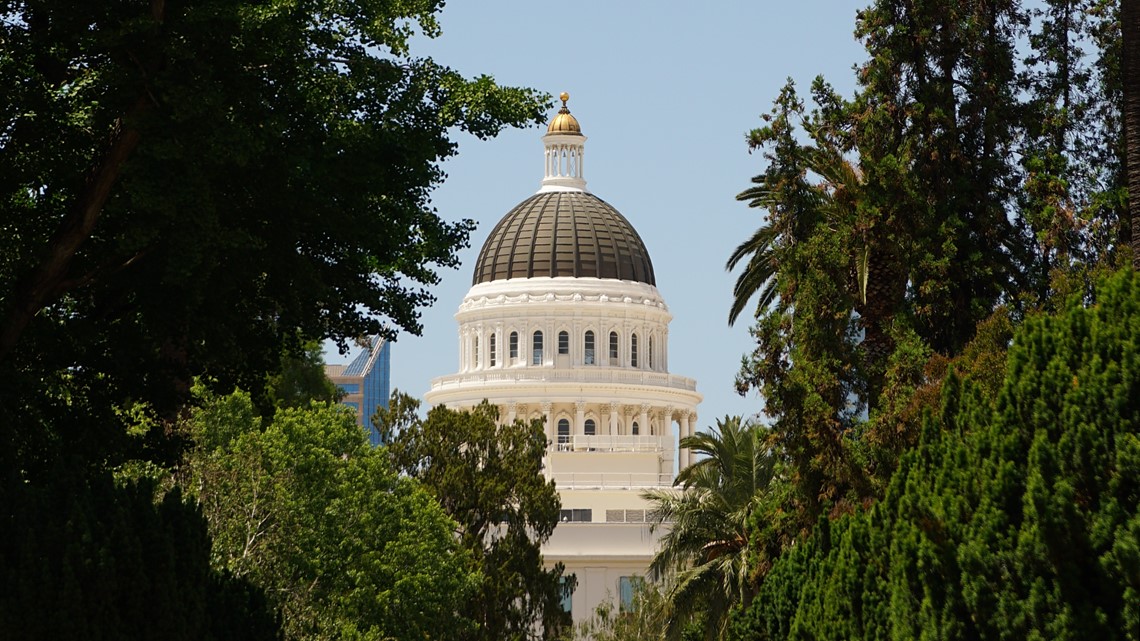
{"x": 563, "y": 431}
{"x": 589, "y": 359}
{"x": 563, "y": 342}
{"x": 633, "y": 351}
{"x": 514, "y": 346}
{"x": 650, "y": 352}
{"x": 591, "y": 427}
{"x": 634, "y": 430}
{"x": 613, "y": 347}
{"x": 536, "y": 349}
{"x": 494, "y": 352}
{"x": 476, "y": 347}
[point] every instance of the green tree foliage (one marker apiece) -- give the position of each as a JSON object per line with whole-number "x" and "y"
{"x": 305, "y": 508}
{"x": 703, "y": 556}
{"x": 488, "y": 477}
{"x": 190, "y": 187}
{"x": 85, "y": 558}
{"x": 1017, "y": 517}
{"x": 194, "y": 189}
{"x": 977, "y": 165}
{"x": 301, "y": 380}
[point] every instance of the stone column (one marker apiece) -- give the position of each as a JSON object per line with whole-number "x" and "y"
{"x": 613, "y": 418}
{"x": 512, "y": 412}
{"x": 644, "y": 422}
{"x": 580, "y": 418}
{"x": 683, "y": 453}
{"x": 692, "y": 431}
{"x": 548, "y": 417}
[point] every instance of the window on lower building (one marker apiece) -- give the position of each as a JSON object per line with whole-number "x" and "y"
{"x": 514, "y": 346}
{"x": 349, "y": 388}
{"x": 563, "y": 430}
{"x": 536, "y": 349}
{"x": 626, "y": 585}
{"x": 589, "y": 344}
{"x": 591, "y": 427}
{"x": 563, "y": 342}
{"x": 566, "y": 586}
{"x": 613, "y": 347}
{"x": 576, "y": 516}
{"x": 635, "y": 429}
{"x": 633, "y": 351}
{"x": 494, "y": 351}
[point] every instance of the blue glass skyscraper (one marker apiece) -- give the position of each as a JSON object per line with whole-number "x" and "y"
{"x": 365, "y": 382}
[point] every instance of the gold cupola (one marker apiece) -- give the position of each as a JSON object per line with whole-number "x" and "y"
{"x": 565, "y": 152}
{"x": 564, "y": 122}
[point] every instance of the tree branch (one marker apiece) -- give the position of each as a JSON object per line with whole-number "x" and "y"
{"x": 45, "y": 281}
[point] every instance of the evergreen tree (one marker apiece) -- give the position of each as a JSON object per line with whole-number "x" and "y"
{"x": 84, "y": 557}
{"x": 1016, "y": 517}
{"x": 488, "y": 477}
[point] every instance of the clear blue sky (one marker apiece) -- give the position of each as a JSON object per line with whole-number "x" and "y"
{"x": 665, "y": 92}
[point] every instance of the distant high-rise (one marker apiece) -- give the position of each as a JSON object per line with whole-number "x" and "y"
{"x": 365, "y": 382}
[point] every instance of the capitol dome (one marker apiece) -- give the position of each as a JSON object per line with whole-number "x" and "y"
{"x": 564, "y": 233}
{"x": 564, "y": 325}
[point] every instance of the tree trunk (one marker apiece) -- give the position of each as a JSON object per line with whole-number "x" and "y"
{"x": 1130, "y": 36}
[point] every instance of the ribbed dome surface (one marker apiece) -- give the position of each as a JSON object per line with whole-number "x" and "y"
{"x": 564, "y": 233}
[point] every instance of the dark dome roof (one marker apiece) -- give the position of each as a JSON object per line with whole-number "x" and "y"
{"x": 563, "y": 233}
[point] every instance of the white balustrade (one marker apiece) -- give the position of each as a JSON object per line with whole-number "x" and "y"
{"x": 609, "y": 443}
{"x": 581, "y": 375}
{"x": 611, "y": 480}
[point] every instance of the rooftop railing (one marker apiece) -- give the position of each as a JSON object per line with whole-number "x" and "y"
{"x": 610, "y": 480}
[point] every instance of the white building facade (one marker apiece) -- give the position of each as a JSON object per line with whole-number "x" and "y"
{"x": 564, "y": 323}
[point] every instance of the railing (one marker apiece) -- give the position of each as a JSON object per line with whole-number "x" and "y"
{"x": 588, "y": 374}
{"x": 609, "y": 443}
{"x": 611, "y": 480}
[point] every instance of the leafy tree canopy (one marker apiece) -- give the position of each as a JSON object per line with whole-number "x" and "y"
{"x": 187, "y": 188}
{"x": 303, "y": 507}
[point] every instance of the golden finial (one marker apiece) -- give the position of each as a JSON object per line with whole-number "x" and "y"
{"x": 563, "y": 122}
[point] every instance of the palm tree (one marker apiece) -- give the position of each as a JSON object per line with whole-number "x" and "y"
{"x": 703, "y": 556}
{"x": 834, "y": 201}
{"x": 879, "y": 277}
